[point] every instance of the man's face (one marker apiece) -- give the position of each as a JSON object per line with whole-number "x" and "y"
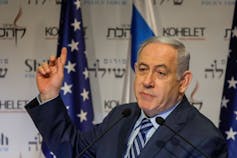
{"x": 156, "y": 84}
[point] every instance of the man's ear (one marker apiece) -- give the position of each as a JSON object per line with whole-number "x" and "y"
{"x": 185, "y": 81}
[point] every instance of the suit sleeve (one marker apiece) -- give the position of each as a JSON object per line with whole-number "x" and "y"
{"x": 60, "y": 134}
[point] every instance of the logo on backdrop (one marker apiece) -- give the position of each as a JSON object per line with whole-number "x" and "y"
{"x": 109, "y": 104}
{"x": 104, "y": 2}
{"x": 215, "y": 70}
{"x": 175, "y": 2}
{"x": 228, "y": 32}
{"x": 42, "y": 2}
{"x": 12, "y": 106}
{"x": 35, "y": 143}
{"x": 4, "y": 142}
{"x": 196, "y": 103}
{"x": 51, "y": 32}
{"x": 217, "y": 2}
{"x": 3, "y": 68}
{"x": 114, "y": 67}
{"x": 185, "y": 33}
{"x": 31, "y": 66}
{"x": 118, "y": 32}
{"x": 13, "y": 31}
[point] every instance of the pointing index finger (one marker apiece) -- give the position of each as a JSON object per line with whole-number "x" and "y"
{"x": 63, "y": 56}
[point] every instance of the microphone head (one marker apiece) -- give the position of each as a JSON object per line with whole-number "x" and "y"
{"x": 126, "y": 112}
{"x": 160, "y": 121}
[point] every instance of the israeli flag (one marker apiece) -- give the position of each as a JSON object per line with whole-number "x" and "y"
{"x": 143, "y": 26}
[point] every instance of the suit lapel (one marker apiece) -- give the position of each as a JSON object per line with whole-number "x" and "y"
{"x": 176, "y": 120}
{"x": 127, "y": 127}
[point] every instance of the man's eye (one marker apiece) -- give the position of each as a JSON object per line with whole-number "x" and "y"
{"x": 161, "y": 74}
{"x": 142, "y": 69}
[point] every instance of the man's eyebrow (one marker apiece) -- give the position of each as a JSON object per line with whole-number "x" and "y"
{"x": 142, "y": 64}
{"x": 161, "y": 66}
{"x": 156, "y": 66}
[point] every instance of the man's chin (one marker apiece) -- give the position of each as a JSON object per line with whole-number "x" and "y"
{"x": 146, "y": 107}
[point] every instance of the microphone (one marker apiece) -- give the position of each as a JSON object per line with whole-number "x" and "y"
{"x": 125, "y": 113}
{"x": 161, "y": 122}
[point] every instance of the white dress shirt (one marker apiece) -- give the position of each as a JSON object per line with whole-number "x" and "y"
{"x": 136, "y": 128}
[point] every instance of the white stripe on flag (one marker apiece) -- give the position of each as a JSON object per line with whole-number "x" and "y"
{"x": 146, "y": 16}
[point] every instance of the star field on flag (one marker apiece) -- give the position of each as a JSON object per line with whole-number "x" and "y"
{"x": 228, "y": 115}
{"x": 75, "y": 90}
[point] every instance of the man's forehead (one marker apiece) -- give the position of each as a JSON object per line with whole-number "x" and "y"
{"x": 158, "y": 54}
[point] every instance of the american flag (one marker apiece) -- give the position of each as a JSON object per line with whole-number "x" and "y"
{"x": 75, "y": 90}
{"x": 228, "y": 115}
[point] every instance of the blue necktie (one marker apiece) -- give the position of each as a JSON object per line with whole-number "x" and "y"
{"x": 140, "y": 140}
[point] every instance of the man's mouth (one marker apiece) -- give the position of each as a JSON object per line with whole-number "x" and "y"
{"x": 146, "y": 95}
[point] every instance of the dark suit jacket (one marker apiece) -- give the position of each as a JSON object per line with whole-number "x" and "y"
{"x": 63, "y": 138}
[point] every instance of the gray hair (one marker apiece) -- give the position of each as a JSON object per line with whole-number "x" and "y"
{"x": 183, "y": 55}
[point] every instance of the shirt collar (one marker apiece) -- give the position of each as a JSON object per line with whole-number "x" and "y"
{"x": 164, "y": 115}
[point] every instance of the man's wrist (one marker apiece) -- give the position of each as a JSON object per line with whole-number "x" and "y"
{"x": 44, "y": 97}
{"x": 42, "y": 101}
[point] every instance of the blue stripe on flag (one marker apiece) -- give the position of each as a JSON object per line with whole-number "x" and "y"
{"x": 140, "y": 32}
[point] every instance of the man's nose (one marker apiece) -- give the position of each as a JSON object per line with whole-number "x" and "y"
{"x": 149, "y": 80}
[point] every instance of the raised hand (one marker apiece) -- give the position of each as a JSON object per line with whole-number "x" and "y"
{"x": 49, "y": 76}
